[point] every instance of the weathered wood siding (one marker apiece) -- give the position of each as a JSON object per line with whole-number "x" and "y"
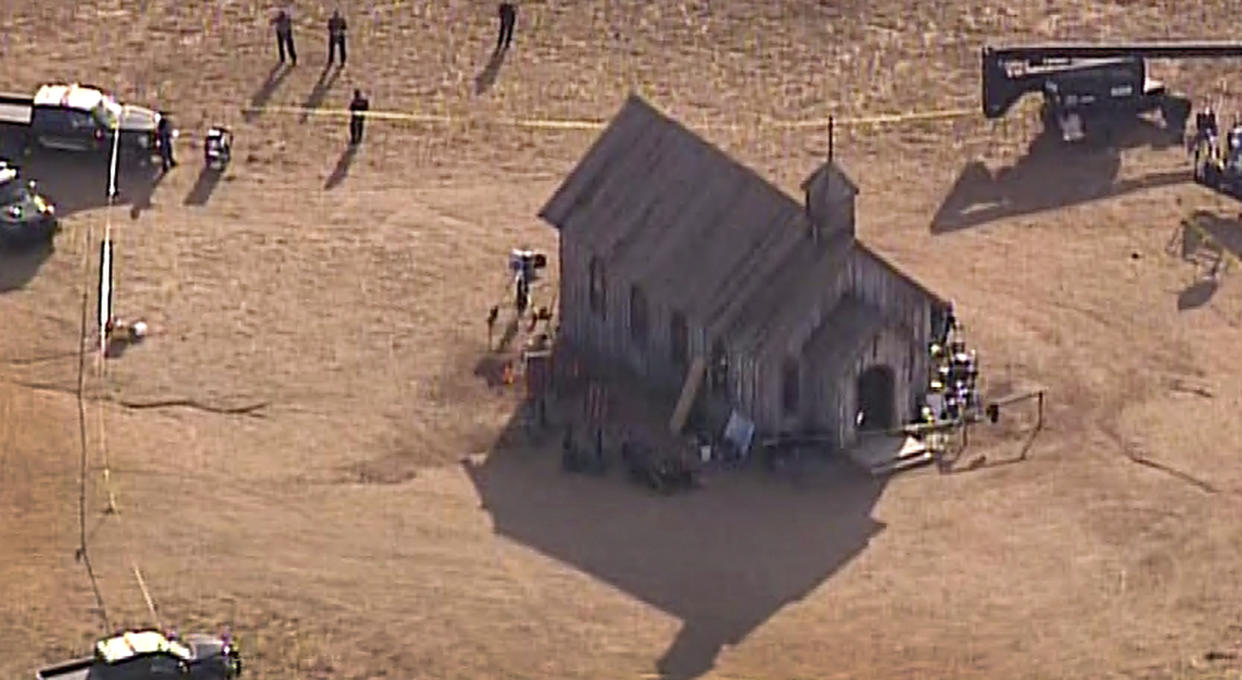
{"x": 813, "y": 317}
{"x": 906, "y": 306}
{"x": 577, "y": 323}
{"x": 609, "y": 338}
{"x": 822, "y": 411}
{"x": 889, "y": 348}
{"x": 828, "y": 403}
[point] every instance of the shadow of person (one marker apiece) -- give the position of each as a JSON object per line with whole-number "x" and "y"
{"x": 261, "y": 96}
{"x": 487, "y": 77}
{"x": 327, "y": 77}
{"x": 342, "y": 167}
{"x": 143, "y": 188}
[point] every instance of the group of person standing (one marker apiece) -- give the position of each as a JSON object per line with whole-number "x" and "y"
{"x": 283, "y": 23}
{"x": 954, "y": 386}
{"x": 1207, "y": 138}
{"x": 337, "y": 27}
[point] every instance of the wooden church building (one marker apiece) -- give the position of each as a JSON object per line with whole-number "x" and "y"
{"x": 671, "y": 250}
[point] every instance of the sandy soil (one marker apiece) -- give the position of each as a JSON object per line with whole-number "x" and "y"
{"x": 335, "y": 529}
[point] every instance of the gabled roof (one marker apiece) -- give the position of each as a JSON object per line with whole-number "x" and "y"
{"x": 837, "y": 181}
{"x": 663, "y": 207}
{"x": 702, "y": 233}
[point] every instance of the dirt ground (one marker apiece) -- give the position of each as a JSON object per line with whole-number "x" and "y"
{"x": 335, "y": 529}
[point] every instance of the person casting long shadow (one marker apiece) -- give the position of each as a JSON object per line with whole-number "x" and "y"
{"x": 487, "y": 77}
{"x": 342, "y": 167}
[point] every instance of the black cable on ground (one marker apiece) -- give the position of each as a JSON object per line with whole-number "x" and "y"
{"x": 82, "y": 548}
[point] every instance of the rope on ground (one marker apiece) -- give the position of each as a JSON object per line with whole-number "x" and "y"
{"x": 588, "y": 124}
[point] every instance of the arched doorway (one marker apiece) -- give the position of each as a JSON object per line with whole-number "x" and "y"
{"x": 876, "y": 387}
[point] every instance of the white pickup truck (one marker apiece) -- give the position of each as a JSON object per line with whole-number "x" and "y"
{"x": 77, "y": 118}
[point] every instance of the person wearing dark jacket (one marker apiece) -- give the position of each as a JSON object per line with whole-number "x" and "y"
{"x": 508, "y": 17}
{"x": 284, "y": 36}
{"x": 164, "y": 135}
{"x": 336, "y": 36}
{"x": 357, "y": 109}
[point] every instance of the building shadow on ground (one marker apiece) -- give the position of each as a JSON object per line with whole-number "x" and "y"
{"x": 723, "y": 558}
{"x": 1051, "y": 175}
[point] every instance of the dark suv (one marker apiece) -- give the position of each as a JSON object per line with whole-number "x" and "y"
{"x": 26, "y": 218}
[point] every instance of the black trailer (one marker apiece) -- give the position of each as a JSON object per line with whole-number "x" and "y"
{"x": 1089, "y": 90}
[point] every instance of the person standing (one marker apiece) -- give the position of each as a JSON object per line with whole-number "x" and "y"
{"x": 336, "y": 36}
{"x": 164, "y": 135}
{"x": 357, "y": 116}
{"x": 508, "y": 17}
{"x": 284, "y": 37}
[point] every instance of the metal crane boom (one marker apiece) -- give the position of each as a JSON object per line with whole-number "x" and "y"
{"x": 1008, "y": 72}
{"x": 1213, "y": 49}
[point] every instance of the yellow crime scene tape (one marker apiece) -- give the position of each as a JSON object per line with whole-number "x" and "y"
{"x": 588, "y": 124}
{"x": 880, "y": 119}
